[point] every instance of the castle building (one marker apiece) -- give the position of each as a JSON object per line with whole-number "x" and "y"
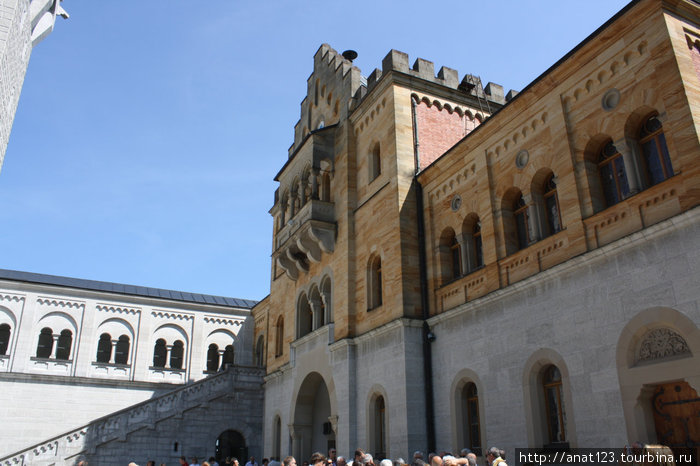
{"x": 455, "y": 266}
{"x": 75, "y": 351}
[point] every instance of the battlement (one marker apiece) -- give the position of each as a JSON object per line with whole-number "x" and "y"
{"x": 470, "y": 84}
{"x": 336, "y": 81}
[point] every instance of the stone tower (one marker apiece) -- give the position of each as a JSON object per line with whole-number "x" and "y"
{"x": 23, "y": 24}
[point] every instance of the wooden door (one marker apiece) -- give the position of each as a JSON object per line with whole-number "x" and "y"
{"x": 677, "y": 417}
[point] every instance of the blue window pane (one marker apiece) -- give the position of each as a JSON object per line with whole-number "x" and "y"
{"x": 651, "y": 156}
{"x": 621, "y": 177}
{"x": 608, "y": 181}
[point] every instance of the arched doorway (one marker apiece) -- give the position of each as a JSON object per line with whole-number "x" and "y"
{"x": 231, "y": 444}
{"x": 312, "y": 429}
{"x": 658, "y": 363}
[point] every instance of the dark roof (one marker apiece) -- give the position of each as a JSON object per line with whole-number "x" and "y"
{"x": 125, "y": 289}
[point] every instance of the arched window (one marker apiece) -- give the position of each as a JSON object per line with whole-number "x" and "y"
{"x": 472, "y": 256}
{"x": 654, "y": 150}
{"x": 177, "y": 355}
{"x": 375, "y": 163}
{"x": 470, "y": 417}
{"x": 374, "y": 283}
{"x": 279, "y": 336}
{"x": 522, "y": 227}
{"x": 160, "y": 353}
{"x": 379, "y": 428}
{"x": 4, "y": 339}
{"x": 277, "y": 439}
{"x": 121, "y": 353}
{"x": 45, "y": 345}
{"x": 213, "y": 358}
{"x": 326, "y": 187}
{"x": 478, "y": 248}
{"x": 227, "y": 359}
{"x": 260, "y": 351}
{"x": 613, "y": 177}
{"x": 450, "y": 256}
{"x": 551, "y": 206}
{"x": 304, "y": 317}
{"x": 65, "y": 340}
{"x": 554, "y": 404}
{"x": 326, "y": 298}
{"x": 104, "y": 348}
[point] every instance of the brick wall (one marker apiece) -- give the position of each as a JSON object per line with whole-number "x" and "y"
{"x": 438, "y": 130}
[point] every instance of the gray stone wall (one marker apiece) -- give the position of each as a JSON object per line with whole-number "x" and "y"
{"x": 578, "y": 311}
{"x": 195, "y": 433}
{"x": 15, "y": 49}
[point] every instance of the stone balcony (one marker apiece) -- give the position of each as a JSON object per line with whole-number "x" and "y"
{"x": 305, "y": 236}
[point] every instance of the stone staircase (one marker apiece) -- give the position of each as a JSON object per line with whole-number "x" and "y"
{"x": 67, "y": 448}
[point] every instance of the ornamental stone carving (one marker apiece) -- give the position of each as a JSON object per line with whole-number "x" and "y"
{"x": 661, "y": 343}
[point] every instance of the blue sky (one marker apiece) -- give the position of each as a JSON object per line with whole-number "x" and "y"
{"x": 148, "y": 133}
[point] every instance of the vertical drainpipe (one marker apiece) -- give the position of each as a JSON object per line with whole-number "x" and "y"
{"x": 427, "y": 350}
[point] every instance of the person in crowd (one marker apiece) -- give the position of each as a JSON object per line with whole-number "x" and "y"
{"x": 150, "y": 463}
{"x": 418, "y": 459}
{"x": 503, "y": 454}
{"x": 357, "y": 459}
{"x": 212, "y": 461}
{"x": 341, "y": 461}
{"x": 367, "y": 460}
{"x": 493, "y": 456}
{"x": 183, "y": 461}
{"x": 332, "y": 457}
{"x": 386, "y": 462}
{"x": 317, "y": 459}
{"x": 289, "y": 461}
{"x": 471, "y": 457}
{"x": 195, "y": 461}
{"x": 251, "y": 462}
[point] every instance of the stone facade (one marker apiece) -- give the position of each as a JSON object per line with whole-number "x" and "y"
{"x": 72, "y": 351}
{"x": 455, "y": 267}
{"x": 23, "y": 24}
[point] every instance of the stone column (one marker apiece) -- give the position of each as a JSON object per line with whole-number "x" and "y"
{"x": 221, "y": 359}
{"x": 283, "y": 212}
{"x": 54, "y": 348}
{"x": 316, "y": 309}
{"x": 465, "y": 251}
{"x": 533, "y": 219}
{"x": 113, "y": 355}
{"x": 328, "y": 318}
{"x": 629, "y": 156}
{"x": 169, "y": 349}
{"x": 293, "y": 202}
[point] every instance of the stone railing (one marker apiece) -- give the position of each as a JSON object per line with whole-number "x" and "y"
{"x": 68, "y": 447}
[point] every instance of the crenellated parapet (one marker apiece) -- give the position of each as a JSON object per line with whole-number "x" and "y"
{"x": 470, "y": 85}
{"x": 331, "y": 85}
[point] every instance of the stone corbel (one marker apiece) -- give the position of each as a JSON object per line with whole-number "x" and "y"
{"x": 334, "y": 424}
{"x": 324, "y": 237}
{"x": 310, "y": 247}
{"x": 288, "y": 266}
{"x": 297, "y": 262}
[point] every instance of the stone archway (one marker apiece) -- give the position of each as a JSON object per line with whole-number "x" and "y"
{"x": 312, "y": 429}
{"x": 658, "y": 364}
{"x": 231, "y": 444}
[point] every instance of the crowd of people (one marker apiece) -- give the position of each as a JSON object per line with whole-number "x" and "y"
{"x": 635, "y": 455}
